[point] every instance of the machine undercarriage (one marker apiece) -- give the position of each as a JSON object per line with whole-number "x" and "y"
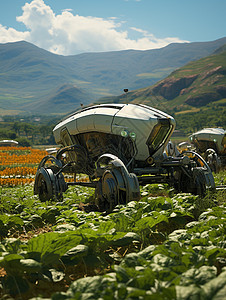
{"x": 109, "y": 175}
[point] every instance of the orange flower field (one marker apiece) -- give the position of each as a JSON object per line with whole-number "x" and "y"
{"x": 18, "y": 165}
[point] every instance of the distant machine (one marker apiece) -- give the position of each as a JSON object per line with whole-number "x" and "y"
{"x": 211, "y": 144}
{"x": 7, "y": 143}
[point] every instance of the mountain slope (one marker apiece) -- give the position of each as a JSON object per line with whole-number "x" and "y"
{"x": 136, "y": 69}
{"x": 30, "y": 75}
{"x": 191, "y": 87}
{"x": 32, "y": 79}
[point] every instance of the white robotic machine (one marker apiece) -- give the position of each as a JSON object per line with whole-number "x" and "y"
{"x": 119, "y": 147}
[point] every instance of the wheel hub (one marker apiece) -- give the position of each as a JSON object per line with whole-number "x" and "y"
{"x": 117, "y": 185}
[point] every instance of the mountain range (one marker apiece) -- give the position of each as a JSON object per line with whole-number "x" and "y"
{"x": 37, "y": 81}
{"x": 187, "y": 89}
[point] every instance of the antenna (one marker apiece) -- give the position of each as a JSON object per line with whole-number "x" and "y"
{"x": 126, "y": 91}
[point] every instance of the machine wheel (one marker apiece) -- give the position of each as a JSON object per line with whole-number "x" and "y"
{"x": 49, "y": 181}
{"x": 199, "y": 182}
{"x": 197, "y": 179}
{"x": 192, "y": 182}
{"x": 213, "y": 160}
{"x": 48, "y": 185}
{"x": 116, "y": 185}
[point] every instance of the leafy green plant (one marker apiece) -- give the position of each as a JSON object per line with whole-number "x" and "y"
{"x": 164, "y": 246}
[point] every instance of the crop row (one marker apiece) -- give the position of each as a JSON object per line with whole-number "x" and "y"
{"x": 18, "y": 165}
{"x": 157, "y": 248}
{"x": 18, "y": 171}
{"x": 12, "y": 156}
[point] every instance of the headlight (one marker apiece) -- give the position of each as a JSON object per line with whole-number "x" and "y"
{"x": 132, "y": 135}
{"x": 124, "y": 133}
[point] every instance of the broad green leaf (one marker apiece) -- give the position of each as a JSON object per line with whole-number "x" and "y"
{"x": 145, "y": 278}
{"x": 53, "y": 245}
{"x": 147, "y": 252}
{"x": 135, "y": 293}
{"x": 121, "y": 291}
{"x": 126, "y": 240}
{"x": 179, "y": 235}
{"x": 121, "y": 274}
{"x": 212, "y": 287}
{"x": 16, "y": 285}
{"x": 15, "y": 221}
{"x": 220, "y": 294}
{"x": 30, "y": 265}
{"x": 11, "y": 263}
{"x": 149, "y": 222}
{"x": 64, "y": 227}
{"x": 163, "y": 293}
{"x": 146, "y": 222}
{"x": 12, "y": 257}
{"x": 132, "y": 260}
{"x": 60, "y": 246}
{"x": 91, "y": 287}
{"x": 191, "y": 292}
{"x": 212, "y": 254}
{"x": 42, "y": 242}
{"x": 4, "y": 219}
{"x": 122, "y": 223}
{"x": 163, "y": 260}
{"x": 50, "y": 215}
{"x": 74, "y": 253}
{"x": 180, "y": 218}
{"x": 158, "y": 203}
{"x": 198, "y": 276}
{"x": 12, "y": 245}
{"x": 105, "y": 227}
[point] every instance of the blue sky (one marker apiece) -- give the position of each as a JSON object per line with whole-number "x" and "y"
{"x": 75, "y": 26}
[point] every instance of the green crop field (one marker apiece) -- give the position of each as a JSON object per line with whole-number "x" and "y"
{"x": 166, "y": 246}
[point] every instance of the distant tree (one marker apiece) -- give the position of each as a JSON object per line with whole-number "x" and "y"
{"x": 7, "y": 134}
{"x": 45, "y": 130}
{"x": 11, "y": 134}
{"x": 23, "y": 142}
{"x": 28, "y": 129}
{"x": 16, "y": 127}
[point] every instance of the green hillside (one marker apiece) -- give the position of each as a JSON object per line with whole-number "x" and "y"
{"x": 195, "y": 93}
{"x": 35, "y": 80}
{"x": 30, "y": 76}
{"x": 195, "y": 85}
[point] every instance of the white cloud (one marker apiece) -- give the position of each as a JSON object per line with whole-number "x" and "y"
{"x": 11, "y": 35}
{"x": 67, "y": 9}
{"x": 67, "y": 33}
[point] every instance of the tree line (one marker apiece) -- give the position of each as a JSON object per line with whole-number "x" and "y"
{"x": 27, "y": 132}
{"x": 212, "y": 117}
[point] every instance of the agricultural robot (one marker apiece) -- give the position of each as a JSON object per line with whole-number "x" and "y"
{"x": 119, "y": 147}
{"x": 211, "y": 144}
